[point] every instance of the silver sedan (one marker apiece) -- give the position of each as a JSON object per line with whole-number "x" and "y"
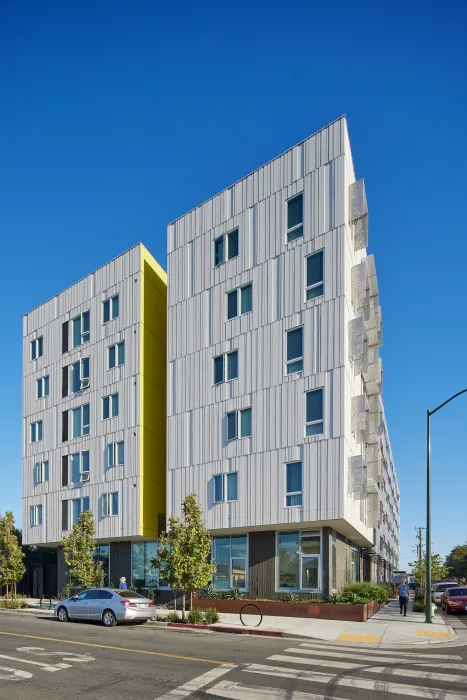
{"x": 108, "y": 605}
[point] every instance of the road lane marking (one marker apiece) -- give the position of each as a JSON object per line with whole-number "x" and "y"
{"x": 45, "y": 667}
{"x": 103, "y": 646}
{"x": 406, "y": 672}
{"x": 381, "y": 652}
{"x": 366, "y": 657}
{"x": 66, "y": 655}
{"x": 14, "y": 674}
{"x": 196, "y": 683}
{"x": 399, "y": 689}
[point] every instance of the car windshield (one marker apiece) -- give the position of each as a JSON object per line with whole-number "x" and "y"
{"x": 129, "y": 594}
{"x": 443, "y": 586}
{"x": 455, "y": 592}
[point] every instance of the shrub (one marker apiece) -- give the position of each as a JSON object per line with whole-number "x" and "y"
{"x": 419, "y": 605}
{"x": 290, "y": 598}
{"x": 390, "y": 587}
{"x": 234, "y": 594}
{"x": 335, "y": 598}
{"x": 13, "y": 604}
{"x": 132, "y": 588}
{"x": 160, "y": 618}
{"x": 354, "y": 598}
{"x": 173, "y": 617}
{"x": 368, "y": 591}
{"x": 151, "y": 593}
{"x": 65, "y": 592}
{"x": 211, "y": 616}
{"x": 208, "y": 592}
{"x": 195, "y": 616}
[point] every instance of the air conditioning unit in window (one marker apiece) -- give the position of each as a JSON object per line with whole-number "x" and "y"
{"x": 84, "y": 383}
{"x": 85, "y": 476}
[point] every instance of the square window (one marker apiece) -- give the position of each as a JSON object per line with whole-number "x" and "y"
{"x": 231, "y": 419}
{"x": 218, "y": 488}
{"x": 315, "y": 275}
{"x": 232, "y": 486}
{"x": 245, "y": 422}
{"x": 314, "y": 413}
{"x": 218, "y": 369}
{"x": 218, "y": 251}
{"x": 232, "y": 304}
{"x": 117, "y": 355}
{"x": 295, "y": 217}
{"x": 247, "y": 298}
{"x": 232, "y": 365}
{"x": 232, "y": 244}
{"x": 295, "y": 350}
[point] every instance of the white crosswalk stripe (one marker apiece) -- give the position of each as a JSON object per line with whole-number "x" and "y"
{"x": 346, "y": 671}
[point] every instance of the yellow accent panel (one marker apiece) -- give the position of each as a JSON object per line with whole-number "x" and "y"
{"x": 153, "y": 356}
{"x": 363, "y": 638}
{"x": 438, "y": 635}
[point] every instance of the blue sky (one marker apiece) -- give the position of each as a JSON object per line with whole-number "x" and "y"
{"x": 115, "y": 118}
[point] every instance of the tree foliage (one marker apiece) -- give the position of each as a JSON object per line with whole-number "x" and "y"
{"x": 184, "y": 551}
{"x": 78, "y": 549}
{"x": 12, "y": 567}
{"x": 457, "y": 561}
{"x": 438, "y": 570}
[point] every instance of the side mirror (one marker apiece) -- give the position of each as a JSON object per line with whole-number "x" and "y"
{"x": 75, "y": 598}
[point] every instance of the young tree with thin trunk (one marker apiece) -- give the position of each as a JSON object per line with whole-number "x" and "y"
{"x": 184, "y": 552}
{"x": 438, "y": 570}
{"x": 12, "y": 567}
{"x": 78, "y": 549}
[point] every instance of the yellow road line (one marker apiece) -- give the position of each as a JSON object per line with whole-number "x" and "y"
{"x": 439, "y": 635}
{"x": 103, "y": 646}
{"x": 364, "y": 638}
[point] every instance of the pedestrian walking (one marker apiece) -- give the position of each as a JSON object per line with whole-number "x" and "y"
{"x": 404, "y": 596}
{"x": 122, "y": 585}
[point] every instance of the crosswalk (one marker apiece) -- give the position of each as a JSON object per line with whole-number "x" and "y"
{"x": 312, "y": 671}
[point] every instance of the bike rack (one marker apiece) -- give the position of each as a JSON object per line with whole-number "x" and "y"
{"x": 251, "y": 605}
{"x": 43, "y": 603}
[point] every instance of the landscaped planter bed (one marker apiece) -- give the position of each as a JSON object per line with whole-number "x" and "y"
{"x": 320, "y": 611}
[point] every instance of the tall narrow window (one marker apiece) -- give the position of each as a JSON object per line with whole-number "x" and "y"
{"x": 65, "y": 472}
{"x": 36, "y": 431}
{"x": 245, "y": 423}
{"x": 110, "y": 503}
{"x": 64, "y": 426}
{"x": 79, "y": 505}
{"x": 111, "y": 308}
{"x": 65, "y": 337}
{"x": 218, "y": 488}
{"x": 232, "y": 486}
{"x": 42, "y": 386}
{"x": 115, "y": 454}
{"x": 232, "y": 244}
{"x": 232, "y": 304}
{"x": 81, "y": 420}
{"x": 117, "y": 354}
{"x": 81, "y": 329}
{"x": 295, "y": 217}
{"x": 65, "y": 515}
{"x": 219, "y": 251}
{"x": 334, "y": 563}
{"x": 232, "y": 365}
{"x": 247, "y": 298}
{"x": 218, "y": 369}
{"x": 315, "y": 275}
{"x": 295, "y": 350}
{"x": 37, "y": 347}
{"x": 35, "y": 515}
{"x": 314, "y": 412}
{"x": 110, "y": 406}
{"x": 79, "y": 467}
{"x": 231, "y": 419}
{"x": 294, "y": 493}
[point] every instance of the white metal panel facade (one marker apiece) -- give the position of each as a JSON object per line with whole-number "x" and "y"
{"x": 198, "y": 330}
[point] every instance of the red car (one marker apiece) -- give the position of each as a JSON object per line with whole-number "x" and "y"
{"x": 454, "y": 600}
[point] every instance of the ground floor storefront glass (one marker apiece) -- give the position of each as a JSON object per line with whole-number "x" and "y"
{"x": 230, "y": 557}
{"x": 102, "y": 554}
{"x": 299, "y": 560}
{"x": 143, "y": 574}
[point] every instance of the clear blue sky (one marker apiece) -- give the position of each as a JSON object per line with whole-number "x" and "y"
{"x": 116, "y": 117}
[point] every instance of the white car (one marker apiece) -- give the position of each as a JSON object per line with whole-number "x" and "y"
{"x": 440, "y": 588}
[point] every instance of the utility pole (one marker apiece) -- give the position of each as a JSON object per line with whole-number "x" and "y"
{"x": 420, "y": 550}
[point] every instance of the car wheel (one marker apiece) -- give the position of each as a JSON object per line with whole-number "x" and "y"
{"x": 62, "y": 614}
{"x": 109, "y": 619}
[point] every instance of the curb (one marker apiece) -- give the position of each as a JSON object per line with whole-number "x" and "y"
{"x": 225, "y": 629}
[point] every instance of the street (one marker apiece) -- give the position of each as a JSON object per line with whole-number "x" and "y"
{"x": 44, "y": 659}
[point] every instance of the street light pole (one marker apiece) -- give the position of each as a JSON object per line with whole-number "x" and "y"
{"x": 428, "y": 610}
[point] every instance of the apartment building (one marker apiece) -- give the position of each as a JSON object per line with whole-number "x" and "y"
{"x": 94, "y": 417}
{"x": 274, "y": 410}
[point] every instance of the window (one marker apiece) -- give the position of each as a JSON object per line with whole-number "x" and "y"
{"x": 232, "y": 247}
{"x": 143, "y": 574}
{"x": 334, "y": 563}
{"x": 295, "y": 217}
{"x": 81, "y": 330}
{"x": 295, "y": 350}
{"x": 315, "y": 275}
{"x": 65, "y": 337}
{"x": 79, "y": 467}
{"x": 110, "y": 406}
{"x": 42, "y": 387}
{"x": 41, "y": 472}
{"x": 293, "y": 488}
{"x": 36, "y": 348}
{"x": 233, "y": 421}
{"x": 230, "y": 557}
{"x": 80, "y": 375}
{"x": 226, "y": 487}
{"x": 80, "y": 420}
{"x": 79, "y": 505}
{"x": 230, "y": 367}
{"x": 101, "y": 555}
{"x": 246, "y": 301}
{"x": 65, "y": 515}
{"x": 314, "y": 412}
{"x": 115, "y": 454}
{"x": 355, "y": 564}
{"x": 117, "y": 355}
{"x": 35, "y": 515}
{"x": 299, "y": 560}
{"x": 36, "y": 431}
{"x": 110, "y": 504}
{"x": 111, "y": 308}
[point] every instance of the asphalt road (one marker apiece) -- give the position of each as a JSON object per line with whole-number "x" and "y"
{"x": 44, "y": 659}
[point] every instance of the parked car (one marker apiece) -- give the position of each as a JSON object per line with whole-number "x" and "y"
{"x": 107, "y": 605}
{"x": 440, "y": 588}
{"x": 454, "y": 600}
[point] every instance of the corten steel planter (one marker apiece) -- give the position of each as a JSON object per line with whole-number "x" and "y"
{"x": 320, "y": 611}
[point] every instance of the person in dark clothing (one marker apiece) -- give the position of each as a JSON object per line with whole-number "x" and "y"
{"x": 404, "y": 596}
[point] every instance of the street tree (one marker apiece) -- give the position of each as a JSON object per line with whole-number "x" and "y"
{"x": 78, "y": 549}
{"x": 438, "y": 570}
{"x": 183, "y": 557}
{"x": 12, "y": 567}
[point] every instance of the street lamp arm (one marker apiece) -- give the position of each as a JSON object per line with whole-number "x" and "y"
{"x": 448, "y": 401}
